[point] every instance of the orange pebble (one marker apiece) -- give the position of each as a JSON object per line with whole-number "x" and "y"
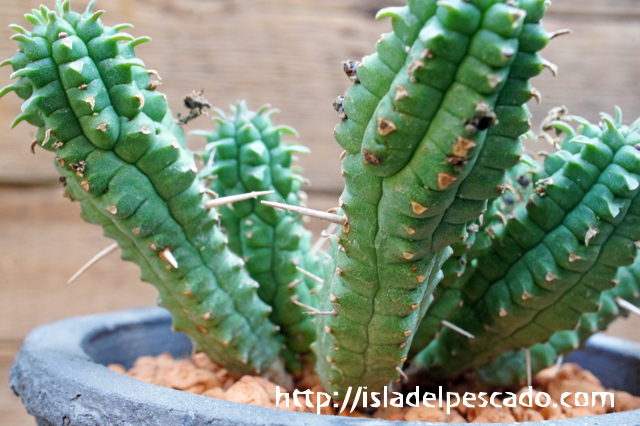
{"x": 217, "y": 393}
{"x": 270, "y": 388}
{"x": 531, "y": 415}
{"x": 624, "y": 401}
{"x": 456, "y": 417}
{"x": 248, "y": 391}
{"x": 201, "y": 360}
{"x": 395, "y": 417}
{"x": 423, "y": 413}
{"x": 578, "y": 412}
{"x": 117, "y": 368}
{"x": 197, "y": 389}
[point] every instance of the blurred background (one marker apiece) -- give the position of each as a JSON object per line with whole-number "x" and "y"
{"x": 284, "y": 52}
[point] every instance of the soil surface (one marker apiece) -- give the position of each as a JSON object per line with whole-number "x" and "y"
{"x": 201, "y": 376}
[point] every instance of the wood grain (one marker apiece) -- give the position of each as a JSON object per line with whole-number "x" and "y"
{"x": 288, "y": 53}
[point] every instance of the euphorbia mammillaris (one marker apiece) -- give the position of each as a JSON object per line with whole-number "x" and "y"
{"x": 433, "y": 264}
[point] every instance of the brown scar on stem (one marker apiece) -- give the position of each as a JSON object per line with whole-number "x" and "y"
{"x": 494, "y": 80}
{"x": 462, "y": 147}
{"x": 350, "y": 68}
{"x": 78, "y": 168}
{"x": 386, "y": 126}
{"x": 407, "y": 255}
{"x": 426, "y": 54}
{"x": 370, "y": 158}
{"x": 337, "y": 105}
{"x": 456, "y": 162}
{"x": 484, "y": 118}
{"x": 401, "y": 92}
{"x": 415, "y": 65}
{"x": 418, "y": 208}
{"x": 91, "y": 101}
{"x": 445, "y": 180}
{"x": 574, "y": 257}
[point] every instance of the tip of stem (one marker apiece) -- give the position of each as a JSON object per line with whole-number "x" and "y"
{"x": 94, "y": 17}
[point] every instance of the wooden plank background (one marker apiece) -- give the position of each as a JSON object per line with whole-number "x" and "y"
{"x": 284, "y": 52}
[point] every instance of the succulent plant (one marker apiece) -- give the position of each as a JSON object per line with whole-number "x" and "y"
{"x": 453, "y": 251}
{"x": 246, "y": 153}
{"x": 430, "y": 127}
{"x": 123, "y": 158}
{"x": 554, "y": 256}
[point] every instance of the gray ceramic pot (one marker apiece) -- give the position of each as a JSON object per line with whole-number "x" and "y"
{"x": 61, "y": 376}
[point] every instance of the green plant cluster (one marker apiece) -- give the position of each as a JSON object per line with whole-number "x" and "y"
{"x": 454, "y": 251}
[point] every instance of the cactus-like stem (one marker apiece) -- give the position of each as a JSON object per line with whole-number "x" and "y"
{"x": 420, "y": 164}
{"x": 550, "y": 263}
{"x": 430, "y": 128}
{"x": 463, "y": 262}
{"x": 125, "y": 161}
{"x": 246, "y": 153}
{"x": 509, "y": 367}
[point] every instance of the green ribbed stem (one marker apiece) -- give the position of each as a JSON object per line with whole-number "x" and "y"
{"x": 459, "y": 268}
{"x": 552, "y": 261}
{"x": 510, "y": 367}
{"x": 124, "y": 159}
{"x": 246, "y": 153}
{"x": 415, "y": 127}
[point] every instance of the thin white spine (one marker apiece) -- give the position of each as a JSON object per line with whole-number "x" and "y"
{"x": 93, "y": 261}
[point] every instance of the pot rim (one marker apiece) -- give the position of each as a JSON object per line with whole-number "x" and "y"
{"x": 60, "y": 383}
